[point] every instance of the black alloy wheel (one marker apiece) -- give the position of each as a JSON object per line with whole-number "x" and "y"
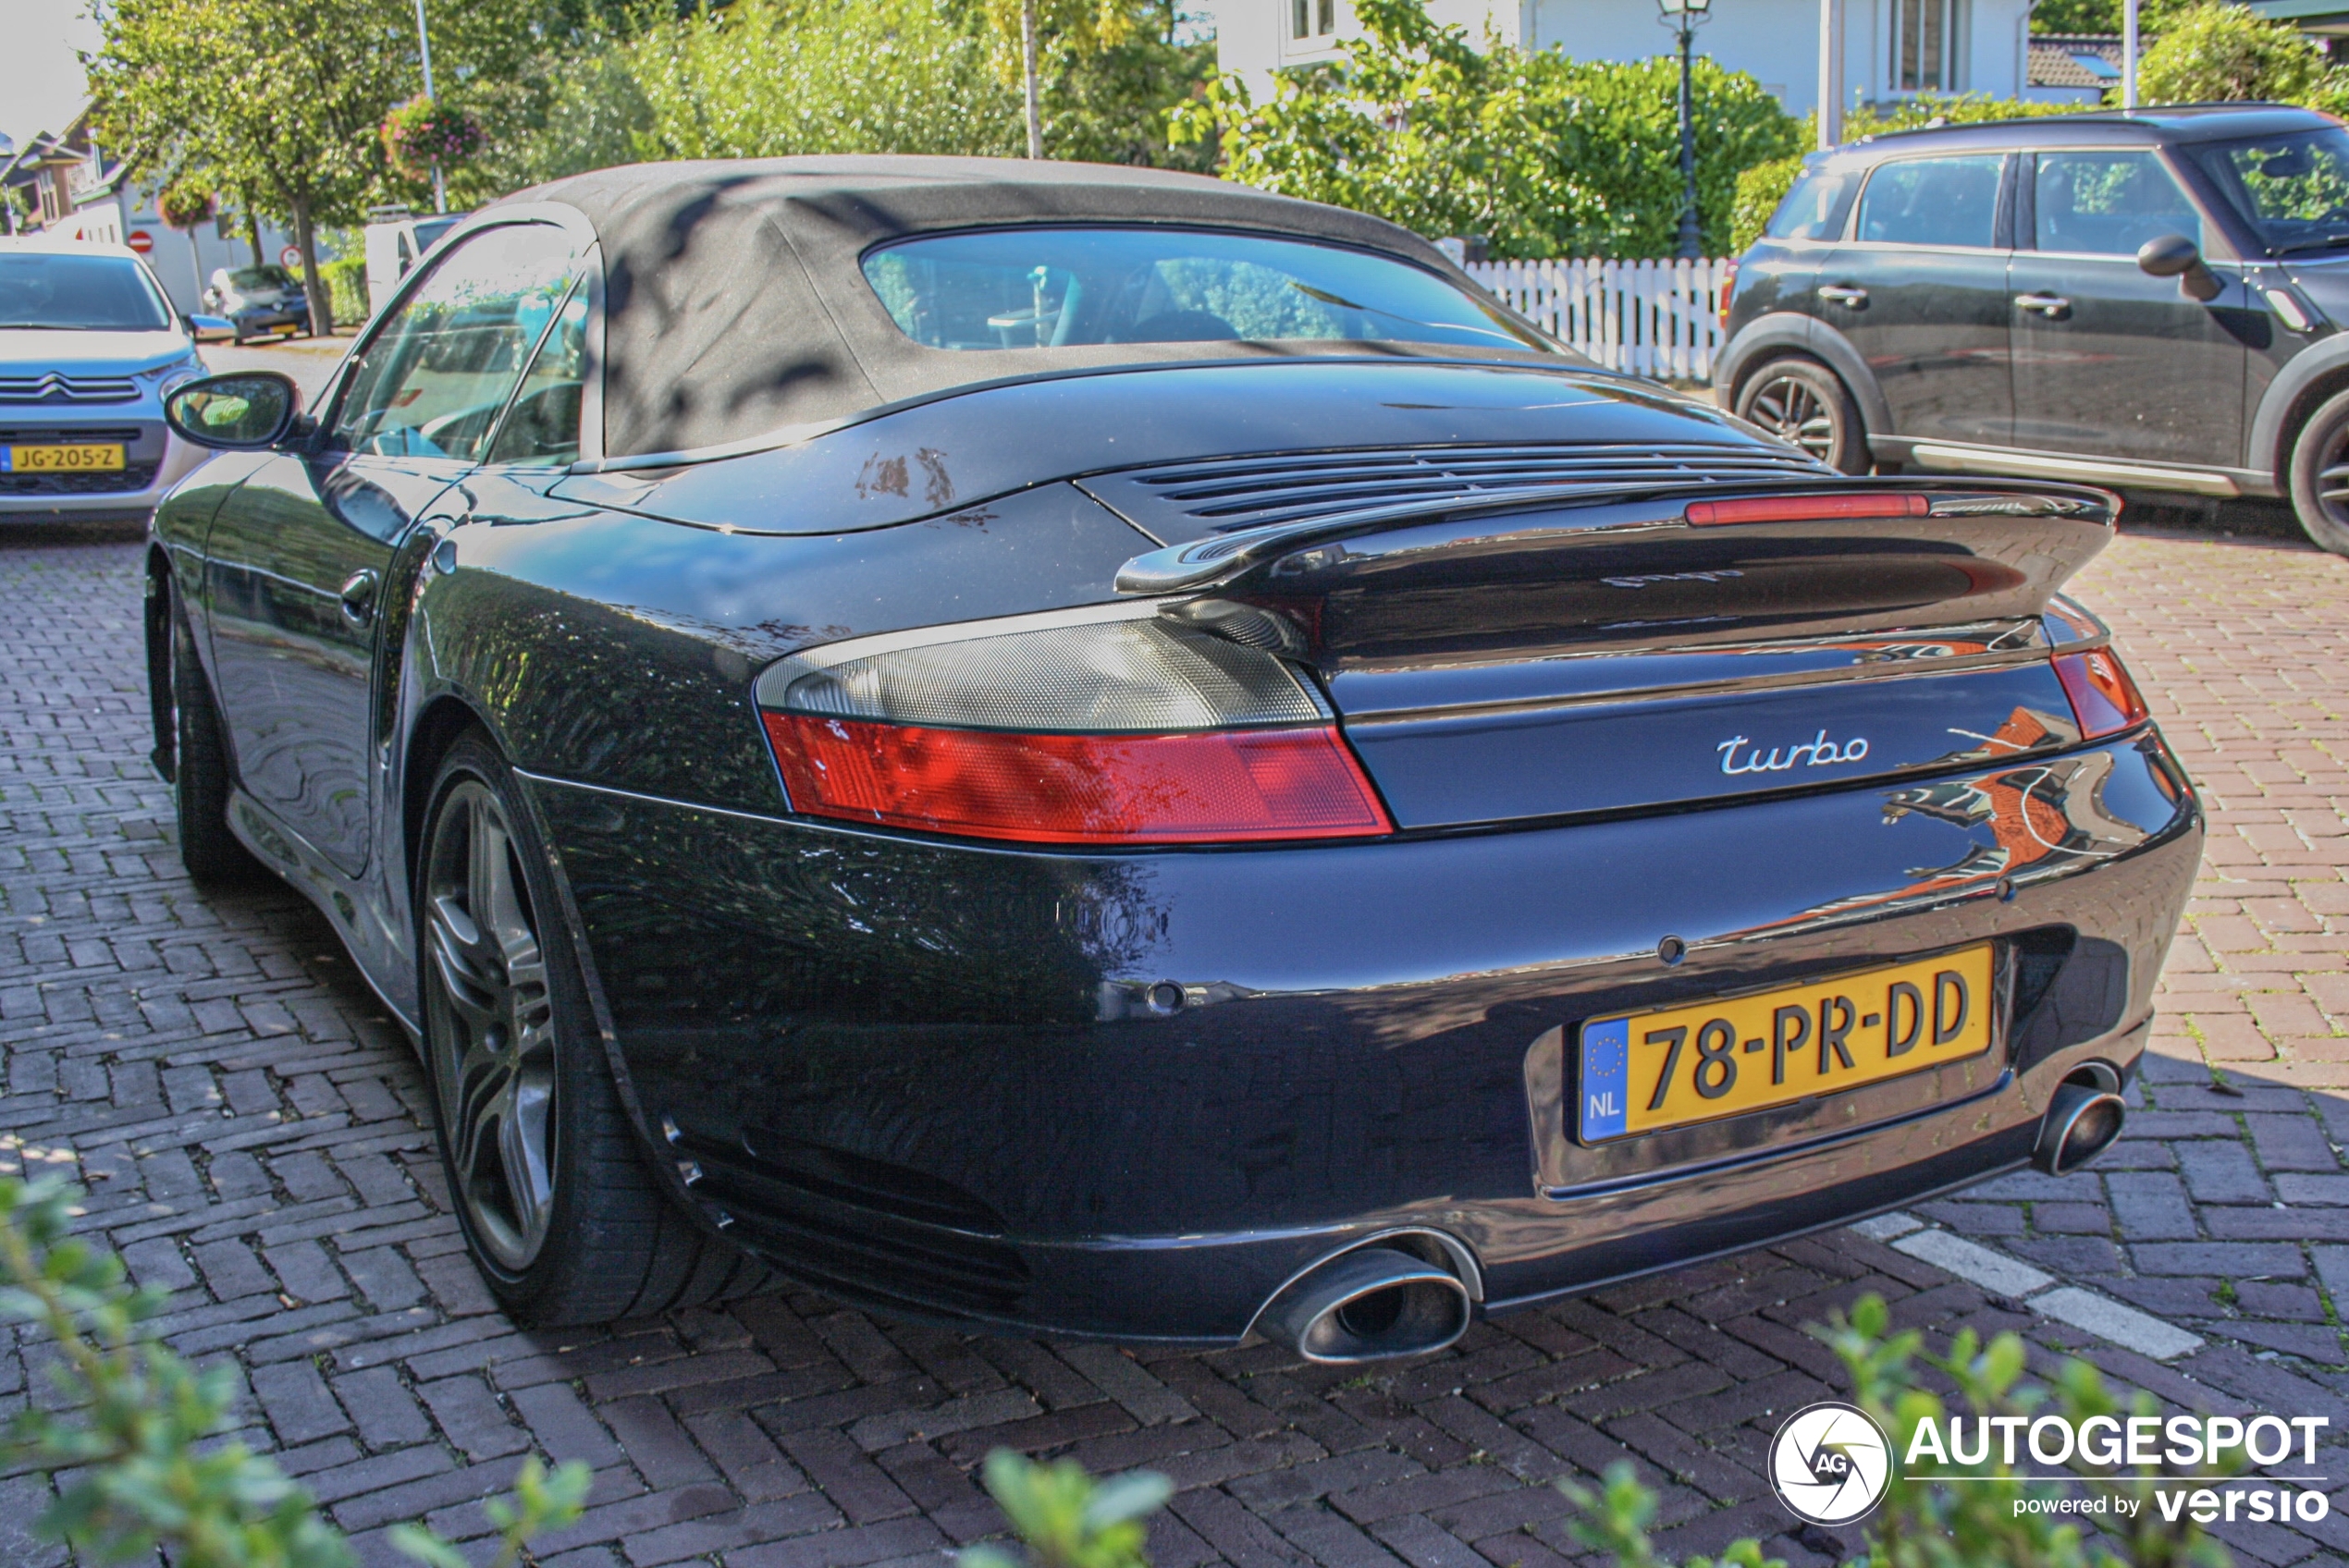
{"x": 188, "y": 738}
{"x": 2321, "y": 475}
{"x": 557, "y": 1208}
{"x": 1804, "y": 402}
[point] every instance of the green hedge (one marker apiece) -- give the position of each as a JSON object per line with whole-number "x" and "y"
{"x": 346, "y": 278}
{"x": 1540, "y": 155}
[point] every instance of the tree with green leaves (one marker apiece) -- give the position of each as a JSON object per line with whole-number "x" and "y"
{"x": 1024, "y": 28}
{"x": 775, "y": 78}
{"x": 282, "y": 100}
{"x": 2219, "y": 53}
{"x": 278, "y": 97}
{"x": 1542, "y": 154}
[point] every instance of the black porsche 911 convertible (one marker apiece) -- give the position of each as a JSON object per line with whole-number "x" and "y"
{"x": 1088, "y": 751}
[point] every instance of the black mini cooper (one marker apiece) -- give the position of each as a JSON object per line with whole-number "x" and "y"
{"x": 2150, "y": 299}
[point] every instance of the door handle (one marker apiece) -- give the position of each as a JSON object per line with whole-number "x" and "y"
{"x": 2055, "y": 307}
{"x": 358, "y": 597}
{"x": 1844, "y": 294}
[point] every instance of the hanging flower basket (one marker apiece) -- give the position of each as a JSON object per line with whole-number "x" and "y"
{"x": 420, "y": 133}
{"x": 183, "y": 205}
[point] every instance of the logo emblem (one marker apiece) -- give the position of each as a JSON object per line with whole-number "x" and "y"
{"x": 1830, "y": 1463}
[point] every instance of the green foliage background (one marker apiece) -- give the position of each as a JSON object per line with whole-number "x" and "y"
{"x": 1542, "y": 154}
{"x": 775, "y": 78}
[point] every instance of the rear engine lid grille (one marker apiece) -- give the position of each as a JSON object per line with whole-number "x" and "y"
{"x": 1179, "y": 502}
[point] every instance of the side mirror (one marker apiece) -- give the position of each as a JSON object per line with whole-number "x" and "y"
{"x": 241, "y": 412}
{"x": 2174, "y": 255}
{"x": 211, "y": 329}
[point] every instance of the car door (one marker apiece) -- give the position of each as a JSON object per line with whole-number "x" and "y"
{"x": 2110, "y": 362}
{"x": 1920, "y": 290}
{"x": 301, "y": 551}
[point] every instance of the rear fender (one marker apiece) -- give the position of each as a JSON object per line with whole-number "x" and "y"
{"x": 1783, "y": 332}
{"x": 2319, "y": 369}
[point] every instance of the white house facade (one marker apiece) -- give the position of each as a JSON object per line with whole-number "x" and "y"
{"x": 1891, "y": 48}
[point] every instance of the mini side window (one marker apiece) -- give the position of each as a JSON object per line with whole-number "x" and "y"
{"x": 1813, "y": 209}
{"x": 1952, "y": 200}
{"x": 2108, "y": 203}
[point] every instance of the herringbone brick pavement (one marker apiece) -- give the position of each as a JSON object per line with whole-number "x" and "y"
{"x": 250, "y": 1132}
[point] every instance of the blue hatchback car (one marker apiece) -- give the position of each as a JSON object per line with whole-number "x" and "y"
{"x": 89, "y": 345}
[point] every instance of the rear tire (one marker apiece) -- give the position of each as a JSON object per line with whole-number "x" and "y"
{"x": 2321, "y": 475}
{"x": 1804, "y": 402}
{"x": 200, "y": 776}
{"x": 544, "y": 1169}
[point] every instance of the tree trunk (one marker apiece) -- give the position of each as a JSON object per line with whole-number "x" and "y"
{"x": 322, "y": 310}
{"x": 252, "y": 228}
{"x": 1027, "y": 71}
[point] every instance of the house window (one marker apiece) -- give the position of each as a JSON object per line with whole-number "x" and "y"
{"x": 1311, "y": 20}
{"x": 1926, "y": 44}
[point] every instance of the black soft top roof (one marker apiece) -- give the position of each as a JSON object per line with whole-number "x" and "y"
{"x": 734, "y": 304}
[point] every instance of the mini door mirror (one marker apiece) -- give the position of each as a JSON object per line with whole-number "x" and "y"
{"x": 241, "y": 412}
{"x": 211, "y": 329}
{"x": 2174, "y": 255}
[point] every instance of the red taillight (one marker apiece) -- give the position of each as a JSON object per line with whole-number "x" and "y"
{"x": 1805, "y": 509}
{"x": 1729, "y": 290}
{"x": 2103, "y": 697}
{"x": 1217, "y": 787}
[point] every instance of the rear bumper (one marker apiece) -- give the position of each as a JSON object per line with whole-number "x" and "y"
{"x": 928, "y": 1077}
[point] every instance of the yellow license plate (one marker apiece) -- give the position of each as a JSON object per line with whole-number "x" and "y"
{"x": 1644, "y": 1071}
{"x": 90, "y": 457}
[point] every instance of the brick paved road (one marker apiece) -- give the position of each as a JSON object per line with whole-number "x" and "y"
{"x": 248, "y": 1128}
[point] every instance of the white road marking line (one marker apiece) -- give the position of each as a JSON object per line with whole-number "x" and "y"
{"x": 1994, "y": 1271}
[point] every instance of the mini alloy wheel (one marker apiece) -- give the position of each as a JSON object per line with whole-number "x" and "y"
{"x": 493, "y": 1027}
{"x": 1804, "y": 403}
{"x": 2321, "y": 475}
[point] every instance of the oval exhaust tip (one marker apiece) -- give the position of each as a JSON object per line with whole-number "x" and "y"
{"x": 1369, "y": 1304}
{"x": 2080, "y": 1123}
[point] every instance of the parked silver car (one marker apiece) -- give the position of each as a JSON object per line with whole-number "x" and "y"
{"x": 89, "y": 345}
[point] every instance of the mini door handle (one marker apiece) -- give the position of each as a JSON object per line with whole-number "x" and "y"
{"x": 358, "y": 599}
{"x": 2055, "y": 307}
{"x": 1844, "y": 294}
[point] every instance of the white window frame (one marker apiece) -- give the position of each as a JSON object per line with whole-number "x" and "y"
{"x": 1956, "y": 18}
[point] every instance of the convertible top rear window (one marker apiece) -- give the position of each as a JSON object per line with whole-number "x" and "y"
{"x": 1061, "y": 288}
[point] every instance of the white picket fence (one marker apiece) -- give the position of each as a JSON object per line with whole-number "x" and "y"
{"x": 1659, "y": 318}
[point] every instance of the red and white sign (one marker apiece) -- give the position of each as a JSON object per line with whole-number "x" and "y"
{"x": 291, "y": 257}
{"x": 141, "y": 242}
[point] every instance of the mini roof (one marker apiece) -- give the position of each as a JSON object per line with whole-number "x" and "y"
{"x": 2191, "y": 122}
{"x": 734, "y": 304}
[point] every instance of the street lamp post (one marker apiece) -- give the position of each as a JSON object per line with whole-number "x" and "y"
{"x": 424, "y": 47}
{"x": 1683, "y": 17}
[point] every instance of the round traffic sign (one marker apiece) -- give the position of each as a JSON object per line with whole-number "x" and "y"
{"x": 141, "y": 242}
{"x": 290, "y": 256}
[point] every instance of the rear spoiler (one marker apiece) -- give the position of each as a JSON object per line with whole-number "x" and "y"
{"x": 2082, "y": 519}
